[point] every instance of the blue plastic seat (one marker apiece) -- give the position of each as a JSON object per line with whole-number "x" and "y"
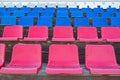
{"x": 26, "y": 21}
{"x": 2, "y": 9}
{"x": 6, "y": 13}
{"x": 33, "y": 14}
{"x": 2, "y": 14}
{"x": 50, "y": 9}
{"x": 38, "y": 9}
{"x": 63, "y": 21}
{"x": 62, "y": 9}
{"x": 47, "y": 14}
{"x": 76, "y": 14}
{"x": 8, "y": 20}
{"x": 81, "y": 22}
{"x": 100, "y": 22}
{"x": 25, "y": 9}
{"x": 112, "y": 10}
{"x": 62, "y": 14}
{"x": 45, "y": 21}
{"x": 92, "y": 14}
{"x": 12, "y": 9}
{"x": 73, "y": 10}
{"x": 115, "y": 22}
{"x": 86, "y": 10}
{"x": 107, "y": 14}
{"x": 98, "y": 10}
{"x": 19, "y": 13}
{"x": 118, "y": 14}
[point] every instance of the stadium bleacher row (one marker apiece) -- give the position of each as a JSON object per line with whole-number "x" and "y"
{"x": 63, "y": 59}
{"x": 61, "y": 34}
{"x": 50, "y": 16}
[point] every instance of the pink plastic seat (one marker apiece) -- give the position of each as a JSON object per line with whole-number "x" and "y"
{"x": 26, "y": 59}
{"x": 12, "y": 33}
{"x": 37, "y": 33}
{"x": 87, "y": 34}
{"x": 63, "y": 34}
{"x": 111, "y": 34}
{"x": 63, "y": 59}
{"x": 2, "y": 54}
{"x": 101, "y": 60}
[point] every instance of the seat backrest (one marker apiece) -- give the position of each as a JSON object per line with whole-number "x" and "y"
{"x": 115, "y": 21}
{"x": 100, "y": 22}
{"x": 37, "y": 9}
{"x": 86, "y": 10}
{"x": 63, "y": 55}
{"x": 2, "y": 9}
{"x": 81, "y": 22}
{"x": 77, "y": 14}
{"x": 33, "y": 14}
{"x": 26, "y": 55}
{"x": 50, "y": 9}
{"x": 63, "y": 32}
{"x": 26, "y": 21}
{"x": 8, "y": 20}
{"x": 107, "y": 14}
{"x": 113, "y": 10}
{"x": 63, "y": 21}
{"x": 1, "y": 14}
{"x": 62, "y": 9}
{"x": 13, "y": 31}
{"x": 26, "y": 9}
{"x": 45, "y": 21}
{"x": 12, "y": 9}
{"x": 38, "y": 31}
{"x": 110, "y": 32}
{"x": 87, "y": 32}
{"x": 45, "y": 14}
{"x": 99, "y": 55}
{"x": 19, "y": 13}
{"x": 62, "y": 14}
{"x": 118, "y": 14}
{"x": 73, "y": 9}
{"x": 92, "y": 14}
{"x": 2, "y": 54}
{"x": 98, "y": 10}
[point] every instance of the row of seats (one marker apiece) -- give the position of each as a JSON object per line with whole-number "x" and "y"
{"x": 61, "y": 34}
{"x": 47, "y": 21}
{"x": 40, "y": 9}
{"x": 87, "y": 10}
{"x": 26, "y": 21}
{"x": 91, "y": 15}
{"x": 63, "y": 59}
{"x": 61, "y": 14}
{"x": 97, "y": 22}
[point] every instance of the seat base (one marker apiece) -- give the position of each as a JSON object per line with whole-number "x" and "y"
{"x": 113, "y": 40}
{"x": 67, "y": 71}
{"x": 9, "y": 39}
{"x": 20, "y": 70}
{"x": 35, "y": 39}
{"x": 90, "y": 40}
{"x": 63, "y": 39}
{"x": 105, "y": 71}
